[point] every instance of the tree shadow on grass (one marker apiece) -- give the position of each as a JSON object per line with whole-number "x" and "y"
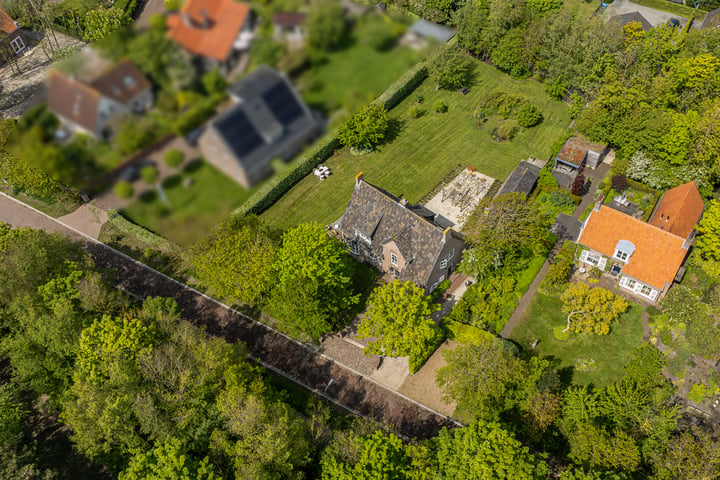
{"x": 395, "y": 128}
{"x": 194, "y": 166}
{"x": 171, "y": 182}
{"x": 148, "y": 197}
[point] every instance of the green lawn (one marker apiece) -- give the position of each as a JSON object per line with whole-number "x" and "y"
{"x": 610, "y": 352}
{"x": 670, "y": 7}
{"x": 426, "y": 149}
{"x": 190, "y": 211}
{"x": 351, "y": 77}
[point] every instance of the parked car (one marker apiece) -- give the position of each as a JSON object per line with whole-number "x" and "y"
{"x": 673, "y": 22}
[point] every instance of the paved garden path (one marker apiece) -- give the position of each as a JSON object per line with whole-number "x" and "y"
{"x": 596, "y": 177}
{"x": 296, "y": 361}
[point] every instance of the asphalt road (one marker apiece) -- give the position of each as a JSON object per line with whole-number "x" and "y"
{"x": 296, "y": 361}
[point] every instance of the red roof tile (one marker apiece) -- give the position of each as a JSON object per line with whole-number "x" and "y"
{"x": 679, "y": 210}
{"x": 208, "y": 27}
{"x": 7, "y": 24}
{"x": 658, "y": 254}
{"x": 121, "y": 82}
{"x": 73, "y": 100}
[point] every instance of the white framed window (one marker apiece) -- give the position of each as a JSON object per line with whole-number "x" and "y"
{"x": 593, "y": 259}
{"x": 18, "y": 45}
{"x": 645, "y": 290}
{"x": 363, "y": 237}
{"x": 620, "y": 255}
{"x": 393, "y": 259}
{"x": 354, "y": 248}
{"x": 450, "y": 255}
{"x": 443, "y": 263}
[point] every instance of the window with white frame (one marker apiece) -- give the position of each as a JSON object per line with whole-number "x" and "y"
{"x": 444, "y": 262}
{"x": 18, "y": 45}
{"x": 593, "y": 259}
{"x": 630, "y": 283}
{"x": 363, "y": 237}
{"x": 393, "y": 259}
{"x": 354, "y": 247}
{"x": 645, "y": 290}
{"x": 624, "y": 250}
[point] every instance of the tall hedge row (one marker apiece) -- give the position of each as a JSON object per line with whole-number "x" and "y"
{"x": 284, "y": 181}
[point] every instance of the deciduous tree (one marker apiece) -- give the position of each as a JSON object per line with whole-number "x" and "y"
{"x": 366, "y": 128}
{"x": 591, "y": 310}
{"x": 450, "y": 68}
{"x": 102, "y": 22}
{"x": 235, "y": 261}
{"x": 398, "y": 319}
{"x": 325, "y": 25}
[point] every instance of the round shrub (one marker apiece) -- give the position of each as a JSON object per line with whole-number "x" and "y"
{"x": 561, "y": 200}
{"x": 560, "y": 335}
{"x": 415, "y": 111}
{"x": 173, "y": 158}
{"x": 504, "y": 131}
{"x": 123, "y": 190}
{"x": 149, "y": 174}
{"x": 441, "y": 107}
{"x": 529, "y": 115}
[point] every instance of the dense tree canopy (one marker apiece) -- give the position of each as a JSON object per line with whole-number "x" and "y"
{"x": 398, "y": 320}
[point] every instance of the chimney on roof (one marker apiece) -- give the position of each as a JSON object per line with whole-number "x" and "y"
{"x": 403, "y": 201}
{"x": 187, "y": 20}
{"x": 445, "y": 232}
{"x": 358, "y": 178}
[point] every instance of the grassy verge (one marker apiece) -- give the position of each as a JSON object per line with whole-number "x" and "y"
{"x": 55, "y": 208}
{"x": 197, "y": 198}
{"x": 422, "y": 151}
{"x": 610, "y": 352}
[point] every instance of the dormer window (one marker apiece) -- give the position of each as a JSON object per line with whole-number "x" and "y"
{"x": 624, "y": 250}
{"x": 393, "y": 259}
{"x": 362, "y": 237}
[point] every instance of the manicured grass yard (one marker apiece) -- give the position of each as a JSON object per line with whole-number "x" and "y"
{"x": 426, "y": 149}
{"x": 610, "y": 352}
{"x": 190, "y": 211}
{"x": 356, "y": 74}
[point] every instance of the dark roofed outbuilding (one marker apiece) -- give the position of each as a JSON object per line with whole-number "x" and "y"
{"x": 521, "y": 180}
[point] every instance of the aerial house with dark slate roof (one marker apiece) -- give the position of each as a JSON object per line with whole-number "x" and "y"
{"x": 407, "y": 242}
{"x": 268, "y": 120}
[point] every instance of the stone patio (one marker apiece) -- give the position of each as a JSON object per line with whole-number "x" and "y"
{"x": 458, "y": 198}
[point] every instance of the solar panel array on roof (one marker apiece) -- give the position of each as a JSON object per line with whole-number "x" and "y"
{"x": 239, "y": 133}
{"x": 282, "y": 103}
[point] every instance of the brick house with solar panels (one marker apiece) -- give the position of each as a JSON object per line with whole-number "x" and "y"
{"x": 12, "y": 39}
{"x": 215, "y": 31}
{"x": 268, "y": 120}
{"x": 646, "y": 258}
{"x": 408, "y": 242}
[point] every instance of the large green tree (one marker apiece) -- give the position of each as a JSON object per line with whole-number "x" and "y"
{"x": 379, "y": 456}
{"x": 235, "y": 260}
{"x": 708, "y": 240}
{"x": 502, "y": 231}
{"x": 325, "y": 25}
{"x": 485, "y": 450}
{"x": 168, "y": 461}
{"x": 365, "y": 129}
{"x": 450, "y": 68}
{"x": 314, "y": 286}
{"x": 398, "y": 320}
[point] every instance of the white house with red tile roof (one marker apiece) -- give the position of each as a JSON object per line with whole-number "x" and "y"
{"x": 645, "y": 257}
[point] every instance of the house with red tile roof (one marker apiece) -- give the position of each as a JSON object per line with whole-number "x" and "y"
{"x": 215, "y": 31}
{"x": 645, "y": 257}
{"x": 92, "y": 107}
{"x": 12, "y": 39}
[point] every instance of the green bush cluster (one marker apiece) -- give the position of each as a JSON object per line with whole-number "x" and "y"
{"x": 529, "y": 116}
{"x": 486, "y": 305}
{"x": 558, "y": 274}
{"x": 415, "y": 362}
{"x": 415, "y": 111}
{"x": 149, "y": 174}
{"x": 197, "y": 114}
{"x": 173, "y": 158}
{"x": 123, "y": 190}
{"x": 561, "y": 200}
{"x": 502, "y": 104}
{"x": 441, "y": 107}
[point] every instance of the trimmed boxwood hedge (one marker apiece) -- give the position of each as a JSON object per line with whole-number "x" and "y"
{"x": 284, "y": 181}
{"x": 143, "y": 234}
